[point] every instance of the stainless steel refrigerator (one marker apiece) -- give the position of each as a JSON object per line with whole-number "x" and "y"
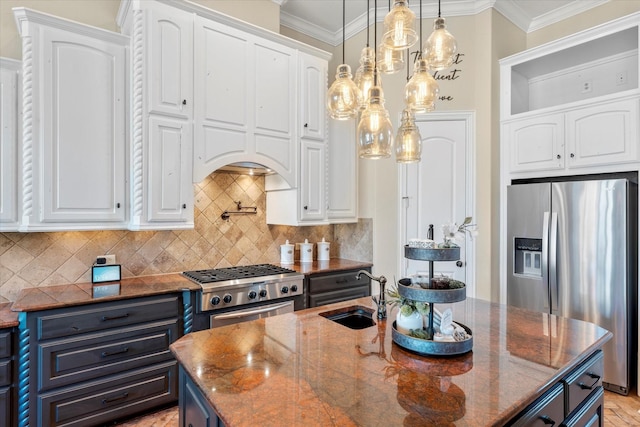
{"x": 572, "y": 249}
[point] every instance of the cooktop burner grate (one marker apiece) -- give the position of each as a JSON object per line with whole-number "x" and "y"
{"x": 235, "y": 273}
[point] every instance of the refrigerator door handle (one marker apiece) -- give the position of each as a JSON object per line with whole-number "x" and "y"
{"x": 545, "y": 256}
{"x": 553, "y": 257}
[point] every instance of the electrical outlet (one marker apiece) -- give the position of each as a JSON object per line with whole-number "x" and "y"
{"x": 587, "y": 86}
{"x": 621, "y": 78}
{"x": 106, "y": 259}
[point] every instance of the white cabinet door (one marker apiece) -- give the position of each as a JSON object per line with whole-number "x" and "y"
{"x": 170, "y": 192}
{"x": 169, "y": 41}
{"x": 536, "y": 143}
{"x": 313, "y": 93}
{"x": 274, "y": 99}
{"x": 9, "y": 139}
{"x": 312, "y": 181}
{"x": 603, "y": 134}
{"x": 342, "y": 204}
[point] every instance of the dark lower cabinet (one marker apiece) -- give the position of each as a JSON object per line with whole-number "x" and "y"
{"x": 8, "y": 396}
{"x": 327, "y": 288}
{"x": 93, "y": 364}
{"x": 195, "y": 411}
{"x": 575, "y": 401}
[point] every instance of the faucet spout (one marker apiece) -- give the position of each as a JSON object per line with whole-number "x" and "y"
{"x": 380, "y": 301}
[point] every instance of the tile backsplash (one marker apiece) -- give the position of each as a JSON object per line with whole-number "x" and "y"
{"x": 42, "y": 259}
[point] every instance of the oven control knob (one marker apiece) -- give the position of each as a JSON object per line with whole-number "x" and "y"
{"x": 253, "y": 294}
{"x": 263, "y": 293}
{"x": 285, "y": 290}
{"x": 294, "y": 288}
{"x": 227, "y": 299}
{"x": 215, "y": 300}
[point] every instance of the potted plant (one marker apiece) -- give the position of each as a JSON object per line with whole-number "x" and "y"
{"x": 410, "y": 313}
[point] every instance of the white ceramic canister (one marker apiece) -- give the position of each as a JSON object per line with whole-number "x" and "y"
{"x": 286, "y": 253}
{"x": 323, "y": 250}
{"x": 306, "y": 251}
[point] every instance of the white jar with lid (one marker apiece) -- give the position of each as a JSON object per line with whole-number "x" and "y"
{"x": 306, "y": 251}
{"x": 323, "y": 250}
{"x": 286, "y": 253}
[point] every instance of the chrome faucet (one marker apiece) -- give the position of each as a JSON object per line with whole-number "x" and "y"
{"x": 380, "y": 301}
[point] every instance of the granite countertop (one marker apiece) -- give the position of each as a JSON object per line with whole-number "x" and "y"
{"x": 50, "y": 297}
{"x": 303, "y": 369}
{"x": 8, "y": 318}
{"x": 333, "y": 264}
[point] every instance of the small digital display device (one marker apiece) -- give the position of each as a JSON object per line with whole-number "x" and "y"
{"x": 105, "y": 273}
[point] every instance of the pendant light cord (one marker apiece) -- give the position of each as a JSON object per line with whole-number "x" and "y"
{"x": 368, "y": 7}
{"x": 343, "y": 23}
{"x": 375, "y": 42}
{"x": 438, "y": 8}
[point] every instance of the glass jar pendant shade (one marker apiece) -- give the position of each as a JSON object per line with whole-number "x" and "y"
{"x": 389, "y": 61}
{"x": 408, "y": 140}
{"x": 343, "y": 98}
{"x": 364, "y": 75}
{"x": 421, "y": 91}
{"x": 440, "y": 48}
{"x": 375, "y": 133}
{"x": 399, "y": 32}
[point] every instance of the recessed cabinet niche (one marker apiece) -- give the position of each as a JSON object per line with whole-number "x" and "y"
{"x": 571, "y": 106}
{"x": 73, "y": 145}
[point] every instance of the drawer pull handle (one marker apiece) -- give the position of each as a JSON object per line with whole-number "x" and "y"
{"x": 113, "y": 353}
{"x": 115, "y": 398}
{"x": 342, "y": 281}
{"x": 593, "y": 376}
{"x": 107, "y": 318}
{"x": 548, "y": 421}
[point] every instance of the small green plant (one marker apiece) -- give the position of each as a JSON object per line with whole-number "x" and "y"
{"x": 407, "y": 306}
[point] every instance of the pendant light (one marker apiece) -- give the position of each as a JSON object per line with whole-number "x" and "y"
{"x": 364, "y": 74}
{"x": 408, "y": 140}
{"x": 399, "y": 32}
{"x": 421, "y": 91}
{"x": 389, "y": 61}
{"x": 375, "y": 133}
{"x": 441, "y": 47}
{"x": 343, "y": 97}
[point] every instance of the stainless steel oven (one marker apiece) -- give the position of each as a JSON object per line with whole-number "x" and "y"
{"x": 237, "y": 294}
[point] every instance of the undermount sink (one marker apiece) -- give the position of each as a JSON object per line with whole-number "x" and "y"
{"x": 355, "y": 317}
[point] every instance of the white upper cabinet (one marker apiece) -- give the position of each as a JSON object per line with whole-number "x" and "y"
{"x": 169, "y": 70}
{"x": 73, "y": 146}
{"x": 571, "y": 106}
{"x": 162, "y": 114}
{"x": 313, "y": 89}
{"x": 9, "y": 138}
{"x": 342, "y": 203}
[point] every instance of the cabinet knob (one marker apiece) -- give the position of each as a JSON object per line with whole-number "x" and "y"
{"x": 184, "y": 206}
{"x": 305, "y": 208}
{"x": 572, "y": 155}
{"x": 459, "y": 263}
{"x": 118, "y": 205}
{"x": 558, "y": 156}
{"x": 306, "y": 125}
{"x": 184, "y": 102}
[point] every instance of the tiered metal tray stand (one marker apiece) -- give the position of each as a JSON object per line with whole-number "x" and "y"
{"x": 431, "y": 296}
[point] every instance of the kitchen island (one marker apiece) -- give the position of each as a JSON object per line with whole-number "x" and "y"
{"x": 304, "y": 369}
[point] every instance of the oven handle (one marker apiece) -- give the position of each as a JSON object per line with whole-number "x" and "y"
{"x": 245, "y": 313}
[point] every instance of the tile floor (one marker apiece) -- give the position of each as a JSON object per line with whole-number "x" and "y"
{"x": 619, "y": 411}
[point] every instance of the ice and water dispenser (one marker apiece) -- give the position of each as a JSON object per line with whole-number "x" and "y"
{"x": 528, "y": 257}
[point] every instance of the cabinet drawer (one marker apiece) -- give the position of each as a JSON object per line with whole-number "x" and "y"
{"x": 73, "y": 360}
{"x": 66, "y": 322}
{"x": 116, "y": 397}
{"x": 5, "y": 372}
{"x": 5, "y": 406}
{"x": 584, "y": 380}
{"x": 331, "y": 282}
{"x": 5, "y": 344}
{"x": 339, "y": 295}
{"x": 549, "y": 408}
{"x": 590, "y": 414}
